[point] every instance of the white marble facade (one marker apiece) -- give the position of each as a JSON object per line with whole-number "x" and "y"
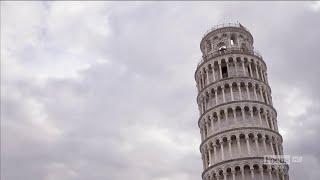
{"x": 238, "y": 124}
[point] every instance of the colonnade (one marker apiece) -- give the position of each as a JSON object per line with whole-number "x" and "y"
{"x": 240, "y": 144}
{"x": 216, "y": 70}
{"x": 233, "y": 91}
{"x": 249, "y": 171}
{"x": 226, "y": 117}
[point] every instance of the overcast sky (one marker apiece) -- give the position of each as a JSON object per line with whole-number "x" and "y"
{"x": 106, "y": 90}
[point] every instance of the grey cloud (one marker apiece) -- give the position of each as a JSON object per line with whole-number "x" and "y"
{"x": 136, "y": 115}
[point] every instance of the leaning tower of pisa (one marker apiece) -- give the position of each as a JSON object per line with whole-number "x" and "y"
{"x": 237, "y": 122}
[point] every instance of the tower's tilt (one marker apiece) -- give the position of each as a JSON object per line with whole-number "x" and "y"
{"x": 238, "y": 123}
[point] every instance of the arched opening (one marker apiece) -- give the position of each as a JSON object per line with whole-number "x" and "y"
{"x": 247, "y": 172}
{"x": 227, "y": 92}
{"x": 224, "y": 69}
{"x": 233, "y": 40}
{"x": 238, "y": 113}
{"x": 237, "y": 170}
{"x": 256, "y": 168}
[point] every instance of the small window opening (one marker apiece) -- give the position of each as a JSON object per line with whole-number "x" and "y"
{"x": 224, "y": 72}
{"x": 249, "y": 72}
{"x": 233, "y": 40}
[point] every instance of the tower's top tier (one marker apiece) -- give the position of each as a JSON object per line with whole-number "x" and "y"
{"x": 225, "y": 36}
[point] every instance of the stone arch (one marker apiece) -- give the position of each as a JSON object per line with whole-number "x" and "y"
{"x": 227, "y": 90}
{"x": 224, "y": 69}
{"x": 238, "y": 112}
{"x": 230, "y": 113}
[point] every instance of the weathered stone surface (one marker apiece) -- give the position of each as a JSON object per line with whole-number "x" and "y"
{"x": 238, "y": 124}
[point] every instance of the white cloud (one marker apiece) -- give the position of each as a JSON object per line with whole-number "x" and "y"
{"x": 297, "y": 102}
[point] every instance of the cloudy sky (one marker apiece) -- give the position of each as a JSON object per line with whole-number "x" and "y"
{"x": 105, "y": 90}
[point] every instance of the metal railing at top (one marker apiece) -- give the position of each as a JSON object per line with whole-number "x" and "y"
{"x": 229, "y": 51}
{"x": 225, "y": 25}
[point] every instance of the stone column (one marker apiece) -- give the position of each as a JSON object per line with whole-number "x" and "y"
{"x": 210, "y": 158}
{"x": 203, "y": 79}
{"x": 242, "y": 173}
{"x": 261, "y": 172}
{"x": 222, "y": 151}
{"x": 264, "y": 145}
{"x": 215, "y": 153}
{"x": 242, "y": 113}
{"x": 197, "y": 81}
{"x": 219, "y": 120}
{"x": 207, "y": 127}
{"x": 272, "y": 149}
{"x": 255, "y": 93}
{"x": 270, "y": 175}
{"x": 277, "y": 147}
{"x": 266, "y": 77}
{"x": 234, "y": 114}
{"x": 252, "y": 173}
{"x": 220, "y": 70}
{"x": 212, "y": 127}
{"x": 257, "y": 144}
{"x": 216, "y": 95}
{"x": 259, "y": 115}
{"x": 223, "y": 95}
{"x": 275, "y": 124}
{"x": 201, "y": 132}
{"x": 266, "y": 118}
{"x": 260, "y": 88}
{"x": 255, "y": 64}
{"x": 270, "y": 99}
{"x": 233, "y": 174}
{"x": 266, "y": 95}
{"x": 262, "y": 78}
{"x": 248, "y": 145}
{"x": 200, "y": 79}
{"x": 251, "y": 115}
{"x": 230, "y": 150}
{"x": 203, "y": 161}
{"x": 271, "y": 122}
{"x": 213, "y": 73}
{"x": 239, "y": 145}
{"x": 248, "y": 92}
{"x": 244, "y": 69}
{"x": 207, "y": 73}
{"x": 231, "y": 91}
{"x": 251, "y": 73}
{"x": 240, "y": 94}
{"x": 228, "y": 70}
{"x": 235, "y": 67}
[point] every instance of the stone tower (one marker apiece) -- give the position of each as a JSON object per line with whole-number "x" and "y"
{"x": 238, "y": 123}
